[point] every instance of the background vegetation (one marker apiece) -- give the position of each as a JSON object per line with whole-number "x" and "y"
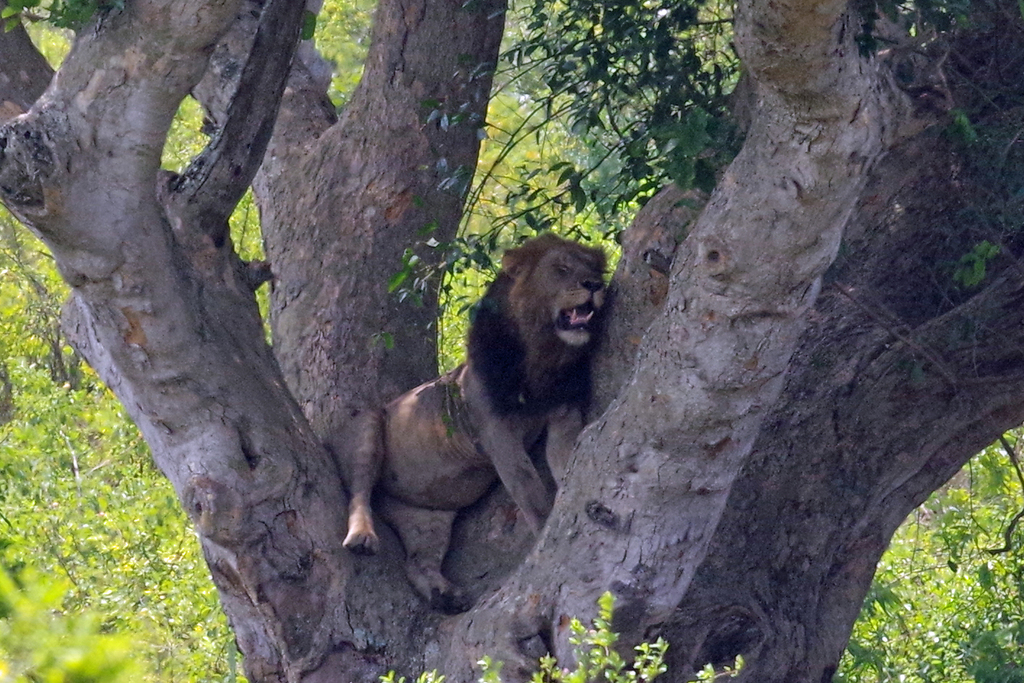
{"x": 101, "y": 578}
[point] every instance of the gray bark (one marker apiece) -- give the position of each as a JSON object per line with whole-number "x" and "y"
{"x": 898, "y": 381}
{"x": 639, "y": 285}
{"x": 387, "y": 166}
{"x": 710, "y": 313}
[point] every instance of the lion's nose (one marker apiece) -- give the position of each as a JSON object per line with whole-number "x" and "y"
{"x": 591, "y": 285}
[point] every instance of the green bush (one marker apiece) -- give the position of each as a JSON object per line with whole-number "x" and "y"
{"x": 41, "y": 644}
{"x": 595, "y": 654}
{"x": 947, "y": 603}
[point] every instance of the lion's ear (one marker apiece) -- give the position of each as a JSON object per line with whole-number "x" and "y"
{"x": 513, "y": 262}
{"x": 522, "y": 258}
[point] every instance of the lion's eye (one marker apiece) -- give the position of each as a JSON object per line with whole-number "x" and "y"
{"x": 562, "y": 271}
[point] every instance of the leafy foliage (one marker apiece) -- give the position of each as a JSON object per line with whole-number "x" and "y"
{"x": 70, "y": 14}
{"x": 38, "y": 644}
{"x": 596, "y": 656}
{"x": 947, "y": 603}
{"x": 970, "y": 271}
{"x": 342, "y": 36}
{"x": 639, "y": 86}
{"x": 594, "y": 652}
{"x": 595, "y": 108}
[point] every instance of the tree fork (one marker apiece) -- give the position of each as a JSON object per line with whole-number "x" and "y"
{"x": 343, "y": 341}
{"x": 662, "y": 459}
{"x": 165, "y": 307}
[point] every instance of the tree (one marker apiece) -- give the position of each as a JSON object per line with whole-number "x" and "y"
{"x": 759, "y": 446}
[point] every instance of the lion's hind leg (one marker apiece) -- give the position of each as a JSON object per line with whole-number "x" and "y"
{"x": 425, "y": 535}
{"x": 361, "y": 475}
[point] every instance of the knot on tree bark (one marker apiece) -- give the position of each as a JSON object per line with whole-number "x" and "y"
{"x": 25, "y": 160}
{"x": 715, "y": 258}
{"x": 601, "y": 514}
{"x": 217, "y": 511}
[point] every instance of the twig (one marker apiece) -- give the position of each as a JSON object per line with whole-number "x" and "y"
{"x": 1011, "y": 527}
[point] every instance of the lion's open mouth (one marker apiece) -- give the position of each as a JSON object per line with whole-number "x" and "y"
{"x": 577, "y": 318}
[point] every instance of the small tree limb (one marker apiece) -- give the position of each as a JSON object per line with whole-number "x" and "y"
{"x": 214, "y": 182}
{"x": 24, "y": 72}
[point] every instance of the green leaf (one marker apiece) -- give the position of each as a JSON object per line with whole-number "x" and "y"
{"x": 566, "y": 174}
{"x": 961, "y": 128}
{"x": 308, "y": 25}
{"x": 384, "y": 338}
{"x": 397, "y": 279}
{"x": 985, "y": 577}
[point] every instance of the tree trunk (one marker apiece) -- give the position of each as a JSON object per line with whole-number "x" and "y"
{"x": 164, "y": 311}
{"x": 883, "y": 400}
{"x": 398, "y": 173}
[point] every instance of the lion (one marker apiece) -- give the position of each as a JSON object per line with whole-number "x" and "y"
{"x": 439, "y": 447}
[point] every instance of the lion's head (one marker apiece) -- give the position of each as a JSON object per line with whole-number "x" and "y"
{"x": 532, "y": 333}
{"x": 557, "y": 286}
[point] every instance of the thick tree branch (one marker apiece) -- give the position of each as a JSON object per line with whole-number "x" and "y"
{"x": 386, "y": 198}
{"x": 827, "y": 487}
{"x": 172, "y": 326}
{"x": 215, "y": 181}
{"x": 91, "y": 120}
{"x": 879, "y": 410}
{"x": 791, "y": 47}
{"x": 640, "y": 285}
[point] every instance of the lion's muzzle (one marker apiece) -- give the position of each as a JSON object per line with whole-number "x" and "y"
{"x": 576, "y": 318}
{"x": 574, "y": 324}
